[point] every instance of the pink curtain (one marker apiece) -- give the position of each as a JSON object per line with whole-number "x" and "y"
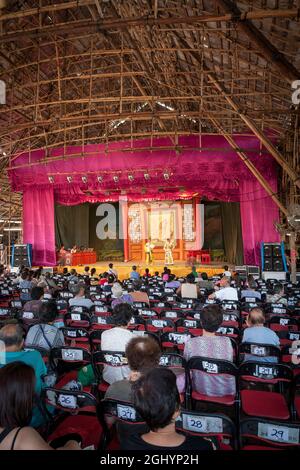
{"x": 258, "y": 214}
{"x": 38, "y": 225}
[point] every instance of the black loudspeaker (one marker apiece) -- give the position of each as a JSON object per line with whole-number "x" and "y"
{"x": 268, "y": 264}
{"x": 277, "y": 251}
{"x": 277, "y": 264}
{"x": 268, "y": 250}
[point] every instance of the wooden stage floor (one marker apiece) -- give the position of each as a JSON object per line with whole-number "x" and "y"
{"x": 124, "y": 269}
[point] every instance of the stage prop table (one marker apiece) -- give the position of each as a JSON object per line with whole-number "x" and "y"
{"x": 200, "y": 256}
{"x": 84, "y": 257}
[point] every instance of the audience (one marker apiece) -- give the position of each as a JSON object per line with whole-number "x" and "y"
{"x": 157, "y": 401}
{"x": 35, "y": 304}
{"x": 251, "y": 291}
{"x": 172, "y": 283}
{"x": 118, "y": 296}
{"x": 226, "y": 272}
{"x": 257, "y": 333}
{"x": 45, "y": 335}
{"x": 12, "y": 336}
{"x": 189, "y": 290}
{"x": 17, "y": 389}
{"x": 204, "y": 283}
{"x": 143, "y": 353}
{"x": 25, "y": 283}
{"x": 112, "y": 271}
{"x": 79, "y": 299}
{"x": 138, "y": 295}
{"x": 116, "y": 339}
{"x": 226, "y": 292}
{"x": 211, "y": 346}
{"x": 134, "y": 274}
{"x": 278, "y": 295}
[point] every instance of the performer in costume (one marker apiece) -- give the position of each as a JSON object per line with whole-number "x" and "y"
{"x": 168, "y": 247}
{"x": 149, "y": 251}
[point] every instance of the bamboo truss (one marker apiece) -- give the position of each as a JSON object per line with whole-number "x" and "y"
{"x": 89, "y": 71}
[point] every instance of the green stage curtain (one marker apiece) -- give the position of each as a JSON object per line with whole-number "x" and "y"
{"x": 72, "y": 225}
{"x": 232, "y": 232}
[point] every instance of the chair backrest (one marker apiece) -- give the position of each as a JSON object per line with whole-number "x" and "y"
{"x": 66, "y": 358}
{"x": 77, "y": 335}
{"x": 216, "y": 426}
{"x": 102, "y": 322}
{"x": 259, "y": 432}
{"x": 137, "y": 323}
{"x": 174, "y": 340}
{"x": 69, "y": 401}
{"x": 77, "y": 319}
{"x": 261, "y": 351}
{"x": 128, "y": 420}
{"x": 159, "y": 324}
{"x": 259, "y": 372}
{"x": 100, "y": 359}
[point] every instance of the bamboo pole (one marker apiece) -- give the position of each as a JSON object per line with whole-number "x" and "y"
{"x": 267, "y": 49}
{"x": 242, "y": 155}
{"x": 124, "y": 23}
{"x": 251, "y": 124}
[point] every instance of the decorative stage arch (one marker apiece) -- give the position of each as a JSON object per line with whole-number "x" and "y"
{"x": 208, "y": 167}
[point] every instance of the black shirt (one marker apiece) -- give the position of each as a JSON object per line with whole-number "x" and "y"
{"x": 192, "y": 443}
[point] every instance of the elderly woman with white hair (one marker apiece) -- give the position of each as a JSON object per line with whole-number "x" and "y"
{"x": 118, "y": 295}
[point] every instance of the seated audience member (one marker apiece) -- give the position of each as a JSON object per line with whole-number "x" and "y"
{"x": 73, "y": 275}
{"x": 143, "y": 353}
{"x": 93, "y": 272}
{"x": 12, "y": 337}
{"x": 110, "y": 281}
{"x": 189, "y": 290}
{"x": 66, "y": 272}
{"x": 112, "y": 271}
{"x": 226, "y": 292}
{"x": 172, "y": 283}
{"x": 51, "y": 284}
{"x": 211, "y": 346}
{"x": 103, "y": 279}
{"x": 278, "y": 295}
{"x": 157, "y": 401}
{"x": 236, "y": 281}
{"x": 257, "y": 333}
{"x": 166, "y": 275}
{"x": 86, "y": 271}
{"x": 251, "y": 290}
{"x": 79, "y": 300}
{"x": 35, "y": 304}
{"x": 45, "y": 335}
{"x": 226, "y": 272}
{"x": 25, "y": 283}
{"x": 204, "y": 283}
{"x": 118, "y": 295}
{"x": 17, "y": 390}
{"x": 147, "y": 273}
{"x": 116, "y": 339}
{"x": 134, "y": 274}
{"x": 194, "y": 272}
{"x": 138, "y": 295}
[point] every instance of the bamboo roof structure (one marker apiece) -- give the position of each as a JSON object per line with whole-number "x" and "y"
{"x": 95, "y": 71}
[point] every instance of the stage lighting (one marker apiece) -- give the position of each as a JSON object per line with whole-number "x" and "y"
{"x": 130, "y": 177}
{"x": 116, "y": 179}
{"x": 51, "y": 179}
{"x": 100, "y": 179}
{"x": 146, "y": 176}
{"x": 69, "y": 179}
{"x": 166, "y": 175}
{"x": 84, "y": 179}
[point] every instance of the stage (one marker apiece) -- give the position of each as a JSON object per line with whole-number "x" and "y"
{"x": 124, "y": 269}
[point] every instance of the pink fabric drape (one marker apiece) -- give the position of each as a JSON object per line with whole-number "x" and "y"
{"x": 38, "y": 225}
{"x": 214, "y": 172}
{"x": 258, "y": 214}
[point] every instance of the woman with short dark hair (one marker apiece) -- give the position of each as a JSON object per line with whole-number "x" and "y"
{"x": 17, "y": 384}
{"x": 157, "y": 401}
{"x": 45, "y": 335}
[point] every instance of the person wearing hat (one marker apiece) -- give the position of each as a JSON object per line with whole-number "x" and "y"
{"x": 118, "y": 295}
